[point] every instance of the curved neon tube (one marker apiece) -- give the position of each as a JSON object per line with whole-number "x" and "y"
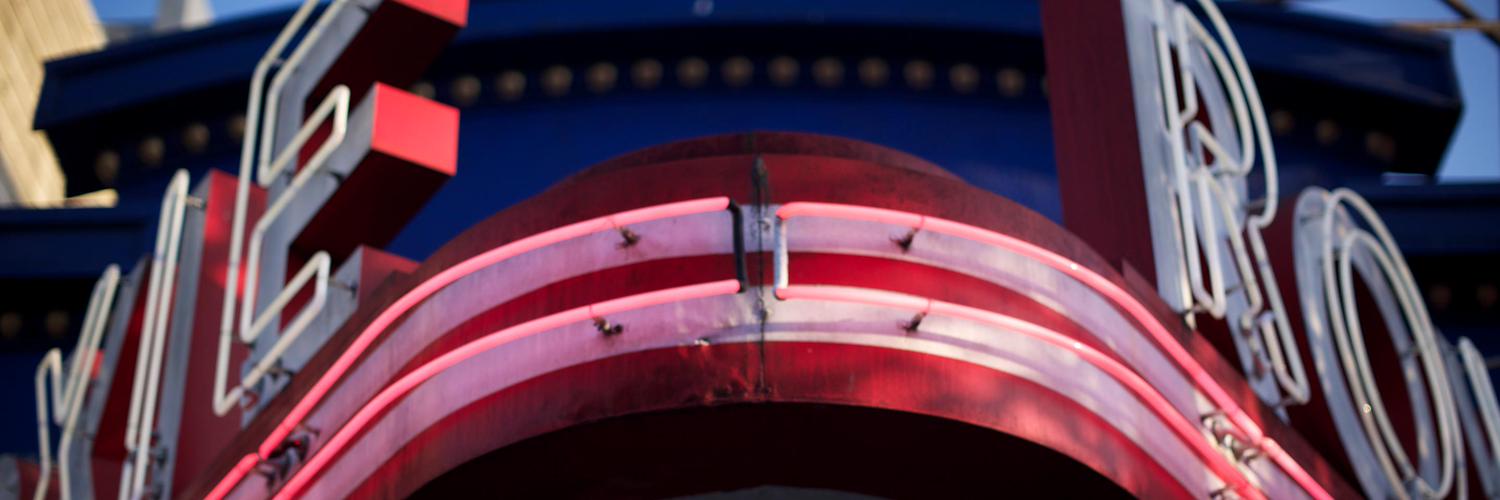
{"x": 1483, "y": 391}
{"x": 140, "y": 423}
{"x": 1180, "y": 425}
{"x": 394, "y": 392}
{"x": 67, "y": 396}
{"x": 1127, "y": 302}
{"x": 437, "y": 282}
{"x": 252, "y": 325}
{"x": 1344, "y": 323}
{"x": 1178, "y": 25}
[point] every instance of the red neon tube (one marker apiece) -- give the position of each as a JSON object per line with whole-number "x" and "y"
{"x": 421, "y": 292}
{"x": 239, "y": 471}
{"x": 1181, "y": 426}
{"x": 1099, "y": 283}
{"x": 394, "y": 392}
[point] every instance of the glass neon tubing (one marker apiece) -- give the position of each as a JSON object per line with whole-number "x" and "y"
{"x": 426, "y": 289}
{"x": 1134, "y": 308}
{"x": 1180, "y": 425}
{"x": 394, "y": 392}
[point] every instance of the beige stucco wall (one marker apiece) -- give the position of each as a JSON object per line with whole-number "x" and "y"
{"x": 31, "y": 32}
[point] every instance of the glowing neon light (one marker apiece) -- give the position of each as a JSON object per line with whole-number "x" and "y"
{"x": 240, "y": 470}
{"x": 394, "y": 392}
{"x": 1134, "y": 308}
{"x": 441, "y": 280}
{"x": 1180, "y": 425}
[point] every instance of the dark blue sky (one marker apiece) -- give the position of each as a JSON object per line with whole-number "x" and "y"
{"x": 1473, "y": 155}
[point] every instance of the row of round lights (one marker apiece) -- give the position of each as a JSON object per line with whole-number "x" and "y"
{"x": 55, "y": 324}
{"x": 1327, "y": 132}
{"x": 736, "y": 72}
{"x": 693, "y": 72}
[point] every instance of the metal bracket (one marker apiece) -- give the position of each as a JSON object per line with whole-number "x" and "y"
{"x": 607, "y": 328}
{"x": 1229, "y": 438}
{"x": 915, "y": 323}
{"x": 249, "y": 398}
{"x": 279, "y": 370}
{"x": 905, "y": 241}
{"x": 630, "y": 237}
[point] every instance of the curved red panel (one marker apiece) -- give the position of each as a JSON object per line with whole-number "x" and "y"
{"x": 776, "y": 372}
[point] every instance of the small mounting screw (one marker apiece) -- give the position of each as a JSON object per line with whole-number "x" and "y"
{"x": 303, "y": 428}
{"x": 348, "y": 287}
{"x": 280, "y": 370}
{"x": 629, "y": 236}
{"x": 607, "y": 328}
{"x": 915, "y": 323}
{"x": 248, "y": 399}
{"x": 905, "y": 241}
{"x": 1225, "y": 493}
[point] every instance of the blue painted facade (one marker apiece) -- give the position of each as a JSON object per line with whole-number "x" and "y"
{"x": 994, "y": 131}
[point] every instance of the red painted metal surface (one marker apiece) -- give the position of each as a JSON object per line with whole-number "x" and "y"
{"x": 309, "y": 396}
{"x": 779, "y": 373}
{"x": 397, "y": 389}
{"x": 673, "y": 453}
{"x": 1313, "y": 419}
{"x": 203, "y": 434}
{"x": 412, "y": 151}
{"x": 109, "y": 440}
{"x": 1099, "y": 172}
{"x": 1122, "y": 298}
{"x": 379, "y": 266}
{"x": 394, "y": 46}
{"x": 851, "y": 173}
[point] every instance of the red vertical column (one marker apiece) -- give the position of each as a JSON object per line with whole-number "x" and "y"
{"x": 1094, "y": 130}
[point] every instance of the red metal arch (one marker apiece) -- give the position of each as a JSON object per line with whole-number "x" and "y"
{"x": 762, "y": 371}
{"x": 781, "y": 374}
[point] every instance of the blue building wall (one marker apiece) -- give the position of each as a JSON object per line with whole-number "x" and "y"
{"x": 995, "y": 135}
